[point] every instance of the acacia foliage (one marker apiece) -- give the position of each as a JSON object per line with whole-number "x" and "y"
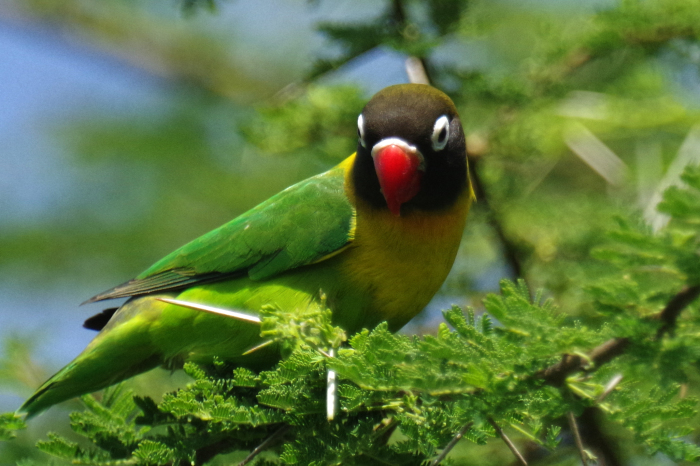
{"x": 476, "y": 372}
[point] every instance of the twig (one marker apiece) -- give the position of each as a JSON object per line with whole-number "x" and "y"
{"x": 577, "y": 437}
{"x": 557, "y": 373}
{"x": 393, "y": 25}
{"x": 596, "y": 439}
{"x": 263, "y": 446}
{"x": 384, "y": 430}
{"x": 508, "y": 442}
{"x": 509, "y": 249}
{"x": 598, "y": 156}
{"x": 673, "y": 309}
{"x": 205, "y": 454}
{"x": 452, "y": 443}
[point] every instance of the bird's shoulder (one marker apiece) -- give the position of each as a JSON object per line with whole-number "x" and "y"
{"x": 306, "y": 223}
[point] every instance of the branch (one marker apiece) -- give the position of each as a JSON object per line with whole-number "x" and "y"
{"x": 577, "y": 438}
{"x": 392, "y": 23}
{"x": 673, "y": 309}
{"x": 569, "y": 364}
{"x": 508, "y": 442}
{"x": 452, "y": 443}
{"x": 385, "y": 430}
{"x": 263, "y": 446}
{"x": 207, "y": 452}
{"x": 556, "y": 374}
{"x": 596, "y": 439}
{"x": 510, "y": 251}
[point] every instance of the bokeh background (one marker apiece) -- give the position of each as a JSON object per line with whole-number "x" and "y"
{"x": 130, "y": 127}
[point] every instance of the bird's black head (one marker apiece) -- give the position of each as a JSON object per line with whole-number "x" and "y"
{"x": 411, "y": 153}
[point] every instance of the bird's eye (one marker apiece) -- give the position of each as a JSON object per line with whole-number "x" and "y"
{"x": 441, "y": 133}
{"x": 361, "y": 130}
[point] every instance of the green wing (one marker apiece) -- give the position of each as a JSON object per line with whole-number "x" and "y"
{"x": 301, "y": 225}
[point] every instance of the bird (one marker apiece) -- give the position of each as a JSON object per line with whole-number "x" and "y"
{"x": 372, "y": 239}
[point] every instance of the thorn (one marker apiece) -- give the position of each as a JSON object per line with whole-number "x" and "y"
{"x": 596, "y": 154}
{"x": 686, "y": 155}
{"x": 452, "y": 443}
{"x": 610, "y": 386}
{"x": 212, "y": 310}
{"x": 577, "y": 437}
{"x": 416, "y": 71}
{"x": 508, "y": 442}
{"x": 331, "y": 390}
{"x": 260, "y": 346}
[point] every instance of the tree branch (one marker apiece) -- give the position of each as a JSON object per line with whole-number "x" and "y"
{"x": 596, "y": 439}
{"x": 452, "y": 443}
{"x": 263, "y": 446}
{"x": 673, "y": 309}
{"x": 577, "y": 437}
{"x": 510, "y": 251}
{"x": 508, "y": 442}
{"x": 569, "y": 364}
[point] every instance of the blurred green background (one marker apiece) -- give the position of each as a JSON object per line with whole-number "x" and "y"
{"x": 129, "y": 127}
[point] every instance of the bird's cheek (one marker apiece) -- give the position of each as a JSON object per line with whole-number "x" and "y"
{"x": 399, "y": 174}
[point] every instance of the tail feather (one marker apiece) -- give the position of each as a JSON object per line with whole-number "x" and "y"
{"x": 79, "y": 378}
{"x": 121, "y": 350}
{"x": 142, "y": 334}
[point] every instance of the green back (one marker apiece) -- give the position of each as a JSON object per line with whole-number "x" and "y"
{"x": 301, "y": 225}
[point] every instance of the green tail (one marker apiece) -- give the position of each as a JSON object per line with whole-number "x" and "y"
{"x": 97, "y": 367}
{"x": 79, "y": 378}
{"x": 145, "y": 333}
{"x": 121, "y": 350}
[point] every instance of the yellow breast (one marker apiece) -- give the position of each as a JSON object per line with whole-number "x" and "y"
{"x": 401, "y": 262}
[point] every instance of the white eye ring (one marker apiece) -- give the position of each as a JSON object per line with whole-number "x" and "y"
{"x": 361, "y": 130}
{"x": 441, "y": 133}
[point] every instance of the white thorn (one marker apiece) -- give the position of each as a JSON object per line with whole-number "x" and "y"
{"x": 416, "y": 71}
{"x": 596, "y": 154}
{"x": 610, "y": 386}
{"x": 331, "y": 390}
{"x": 260, "y": 346}
{"x": 212, "y": 310}
{"x": 688, "y": 154}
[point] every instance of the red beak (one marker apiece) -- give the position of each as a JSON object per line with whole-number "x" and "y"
{"x": 399, "y": 171}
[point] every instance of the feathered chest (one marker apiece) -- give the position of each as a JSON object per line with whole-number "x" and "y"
{"x": 399, "y": 263}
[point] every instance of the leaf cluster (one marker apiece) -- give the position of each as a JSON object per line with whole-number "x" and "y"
{"x": 402, "y": 398}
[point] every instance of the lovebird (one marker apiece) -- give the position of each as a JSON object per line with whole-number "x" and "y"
{"x": 372, "y": 239}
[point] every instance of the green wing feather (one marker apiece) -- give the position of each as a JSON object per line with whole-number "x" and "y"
{"x": 301, "y": 225}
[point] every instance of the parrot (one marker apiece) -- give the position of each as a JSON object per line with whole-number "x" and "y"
{"x": 372, "y": 239}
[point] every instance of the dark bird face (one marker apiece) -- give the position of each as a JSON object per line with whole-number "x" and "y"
{"x": 411, "y": 153}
